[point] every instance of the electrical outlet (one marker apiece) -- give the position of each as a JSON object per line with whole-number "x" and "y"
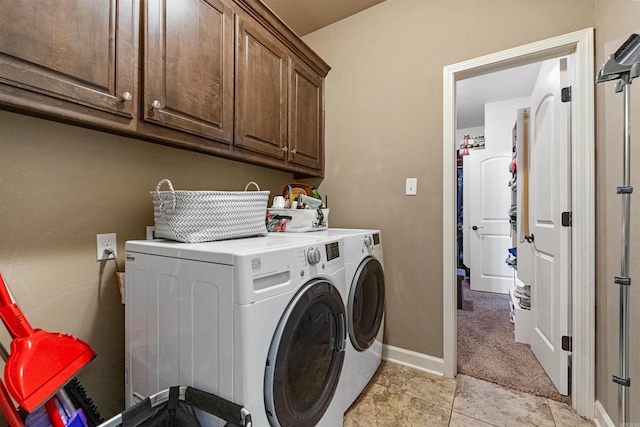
{"x": 103, "y": 243}
{"x": 411, "y": 187}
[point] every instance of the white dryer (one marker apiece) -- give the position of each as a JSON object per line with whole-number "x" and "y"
{"x": 258, "y": 321}
{"x": 365, "y": 302}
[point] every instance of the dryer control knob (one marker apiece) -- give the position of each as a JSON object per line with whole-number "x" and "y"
{"x": 367, "y": 241}
{"x": 313, "y": 256}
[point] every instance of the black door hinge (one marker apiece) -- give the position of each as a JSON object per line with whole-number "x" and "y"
{"x": 566, "y": 343}
{"x": 566, "y": 94}
{"x": 566, "y": 219}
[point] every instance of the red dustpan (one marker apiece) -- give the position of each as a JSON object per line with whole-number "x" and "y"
{"x": 40, "y": 362}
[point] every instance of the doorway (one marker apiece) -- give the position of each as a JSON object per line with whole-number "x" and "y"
{"x": 580, "y": 45}
{"x": 495, "y": 316}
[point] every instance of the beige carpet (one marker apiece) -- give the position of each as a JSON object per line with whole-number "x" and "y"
{"x": 487, "y": 347}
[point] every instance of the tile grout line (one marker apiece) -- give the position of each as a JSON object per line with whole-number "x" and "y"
{"x": 473, "y": 418}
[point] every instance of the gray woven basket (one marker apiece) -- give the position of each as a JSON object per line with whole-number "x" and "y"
{"x": 205, "y": 216}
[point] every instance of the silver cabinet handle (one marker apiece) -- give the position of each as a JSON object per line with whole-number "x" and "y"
{"x": 284, "y": 148}
{"x": 293, "y": 151}
{"x": 126, "y": 96}
{"x": 155, "y": 104}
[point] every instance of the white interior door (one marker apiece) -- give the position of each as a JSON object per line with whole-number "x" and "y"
{"x": 488, "y": 227}
{"x": 544, "y": 263}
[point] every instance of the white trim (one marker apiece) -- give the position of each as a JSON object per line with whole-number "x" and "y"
{"x": 450, "y": 346}
{"x": 583, "y": 227}
{"x": 602, "y": 419}
{"x": 580, "y": 44}
{"x": 412, "y": 359}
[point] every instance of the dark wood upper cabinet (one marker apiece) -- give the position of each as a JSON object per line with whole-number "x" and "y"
{"x": 261, "y": 90}
{"x": 74, "y": 50}
{"x": 306, "y": 116}
{"x": 279, "y": 99}
{"x": 188, "y": 67}
{"x": 223, "y": 77}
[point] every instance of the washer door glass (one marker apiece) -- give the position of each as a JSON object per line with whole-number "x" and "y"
{"x": 366, "y": 304}
{"x": 306, "y": 356}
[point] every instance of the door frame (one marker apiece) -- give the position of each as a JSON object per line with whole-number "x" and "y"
{"x": 581, "y": 45}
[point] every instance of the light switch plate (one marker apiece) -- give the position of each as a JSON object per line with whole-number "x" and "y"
{"x": 412, "y": 187}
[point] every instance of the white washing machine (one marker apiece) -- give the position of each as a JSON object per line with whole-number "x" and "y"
{"x": 258, "y": 321}
{"x": 365, "y": 302}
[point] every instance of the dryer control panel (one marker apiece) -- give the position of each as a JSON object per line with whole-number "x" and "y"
{"x": 372, "y": 243}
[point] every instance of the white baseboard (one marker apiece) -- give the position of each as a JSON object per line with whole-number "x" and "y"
{"x": 602, "y": 418}
{"x": 412, "y": 359}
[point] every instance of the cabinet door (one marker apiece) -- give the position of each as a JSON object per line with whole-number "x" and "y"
{"x": 76, "y": 50}
{"x": 188, "y": 67}
{"x": 261, "y": 90}
{"x": 306, "y": 116}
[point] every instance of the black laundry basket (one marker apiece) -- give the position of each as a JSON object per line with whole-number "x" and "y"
{"x": 176, "y": 407}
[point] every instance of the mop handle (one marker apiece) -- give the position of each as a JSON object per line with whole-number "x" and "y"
{"x": 11, "y": 315}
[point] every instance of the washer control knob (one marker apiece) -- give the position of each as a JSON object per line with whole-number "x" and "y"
{"x": 313, "y": 256}
{"x": 367, "y": 241}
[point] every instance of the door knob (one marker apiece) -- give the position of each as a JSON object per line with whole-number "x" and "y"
{"x": 475, "y": 227}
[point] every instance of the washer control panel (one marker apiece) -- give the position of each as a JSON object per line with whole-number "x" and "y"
{"x": 333, "y": 250}
{"x": 313, "y": 256}
{"x": 323, "y": 257}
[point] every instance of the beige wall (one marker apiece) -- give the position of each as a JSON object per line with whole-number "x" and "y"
{"x": 616, "y": 20}
{"x": 62, "y": 185}
{"x": 384, "y": 124}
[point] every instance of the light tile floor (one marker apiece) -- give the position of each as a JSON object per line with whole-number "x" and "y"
{"x": 401, "y": 396}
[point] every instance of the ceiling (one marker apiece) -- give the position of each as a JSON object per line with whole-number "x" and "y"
{"x": 473, "y": 93}
{"x": 307, "y": 16}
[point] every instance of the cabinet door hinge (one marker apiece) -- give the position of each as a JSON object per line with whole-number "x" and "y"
{"x": 566, "y": 219}
{"x": 566, "y": 94}
{"x": 566, "y": 343}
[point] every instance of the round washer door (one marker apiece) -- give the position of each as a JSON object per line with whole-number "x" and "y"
{"x": 306, "y": 356}
{"x": 366, "y": 303}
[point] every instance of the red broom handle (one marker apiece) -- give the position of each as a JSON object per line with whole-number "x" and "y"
{"x": 5, "y": 298}
{"x": 11, "y": 314}
{"x": 8, "y": 409}
{"x": 52, "y": 411}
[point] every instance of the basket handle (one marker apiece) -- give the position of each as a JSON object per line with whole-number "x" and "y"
{"x": 160, "y": 200}
{"x": 252, "y": 182}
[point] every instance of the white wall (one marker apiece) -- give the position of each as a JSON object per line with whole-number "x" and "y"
{"x": 500, "y": 118}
